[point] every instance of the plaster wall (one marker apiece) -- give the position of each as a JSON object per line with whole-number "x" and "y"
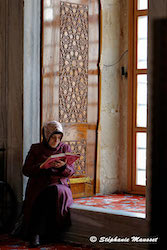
{"x": 113, "y": 148}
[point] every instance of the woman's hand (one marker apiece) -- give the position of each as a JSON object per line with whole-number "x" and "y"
{"x": 58, "y": 164}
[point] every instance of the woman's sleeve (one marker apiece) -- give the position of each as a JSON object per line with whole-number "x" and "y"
{"x": 67, "y": 170}
{"x": 30, "y": 167}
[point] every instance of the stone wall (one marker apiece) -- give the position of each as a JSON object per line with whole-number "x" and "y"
{"x": 114, "y": 91}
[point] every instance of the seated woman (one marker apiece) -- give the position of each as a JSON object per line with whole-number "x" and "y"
{"x": 48, "y": 195}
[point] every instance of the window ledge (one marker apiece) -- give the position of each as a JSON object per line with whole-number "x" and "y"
{"x": 108, "y": 211}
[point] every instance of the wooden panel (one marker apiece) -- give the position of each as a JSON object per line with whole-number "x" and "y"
{"x": 2, "y": 87}
{"x": 82, "y": 189}
{"x": 157, "y": 127}
{"x": 70, "y": 77}
{"x": 11, "y": 93}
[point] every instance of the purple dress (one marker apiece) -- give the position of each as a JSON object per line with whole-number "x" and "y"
{"x": 48, "y": 194}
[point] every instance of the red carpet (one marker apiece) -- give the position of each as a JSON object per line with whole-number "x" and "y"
{"x": 125, "y": 202}
{"x": 9, "y": 243}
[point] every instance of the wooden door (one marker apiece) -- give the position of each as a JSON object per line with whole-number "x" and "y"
{"x": 70, "y": 57}
{"x": 3, "y": 101}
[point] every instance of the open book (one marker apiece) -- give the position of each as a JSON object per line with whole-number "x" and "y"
{"x": 70, "y": 157}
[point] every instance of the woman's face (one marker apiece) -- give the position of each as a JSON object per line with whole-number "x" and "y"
{"x": 54, "y": 140}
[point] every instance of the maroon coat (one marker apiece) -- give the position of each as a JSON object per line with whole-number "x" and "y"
{"x": 40, "y": 179}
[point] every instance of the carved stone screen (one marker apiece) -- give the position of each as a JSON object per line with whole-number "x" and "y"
{"x": 73, "y": 65}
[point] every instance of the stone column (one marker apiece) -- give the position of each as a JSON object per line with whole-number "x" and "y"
{"x": 32, "y": 67}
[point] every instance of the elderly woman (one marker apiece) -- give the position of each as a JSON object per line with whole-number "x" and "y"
{"x": 48, "y": 195}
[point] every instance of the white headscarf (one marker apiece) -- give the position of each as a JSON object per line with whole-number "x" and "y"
{"x": 50, "y": 128}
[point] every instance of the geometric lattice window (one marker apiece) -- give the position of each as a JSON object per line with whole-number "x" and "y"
{"x": 73, "y": 64}
{"x": 79, "y": 147}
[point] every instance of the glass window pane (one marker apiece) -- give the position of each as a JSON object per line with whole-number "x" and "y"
{"x": 142, "y": 4}
{"x": 48, "y": 14}
{"x": 141, "y": 140}
{"x": 141, "y": 178}
{"x": 47, "y": 3}
{"x": 141, "y": 116}
{"x": 142, "y": 42}
{"x": 142, "y": 100}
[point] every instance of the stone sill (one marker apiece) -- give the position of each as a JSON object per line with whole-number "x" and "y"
{"x": 88, "y": 221}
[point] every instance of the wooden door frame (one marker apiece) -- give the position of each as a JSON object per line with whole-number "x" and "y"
{"x": 132, "y": 105}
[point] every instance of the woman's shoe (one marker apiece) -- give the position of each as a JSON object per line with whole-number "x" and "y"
{"x": 34, "y": 241}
